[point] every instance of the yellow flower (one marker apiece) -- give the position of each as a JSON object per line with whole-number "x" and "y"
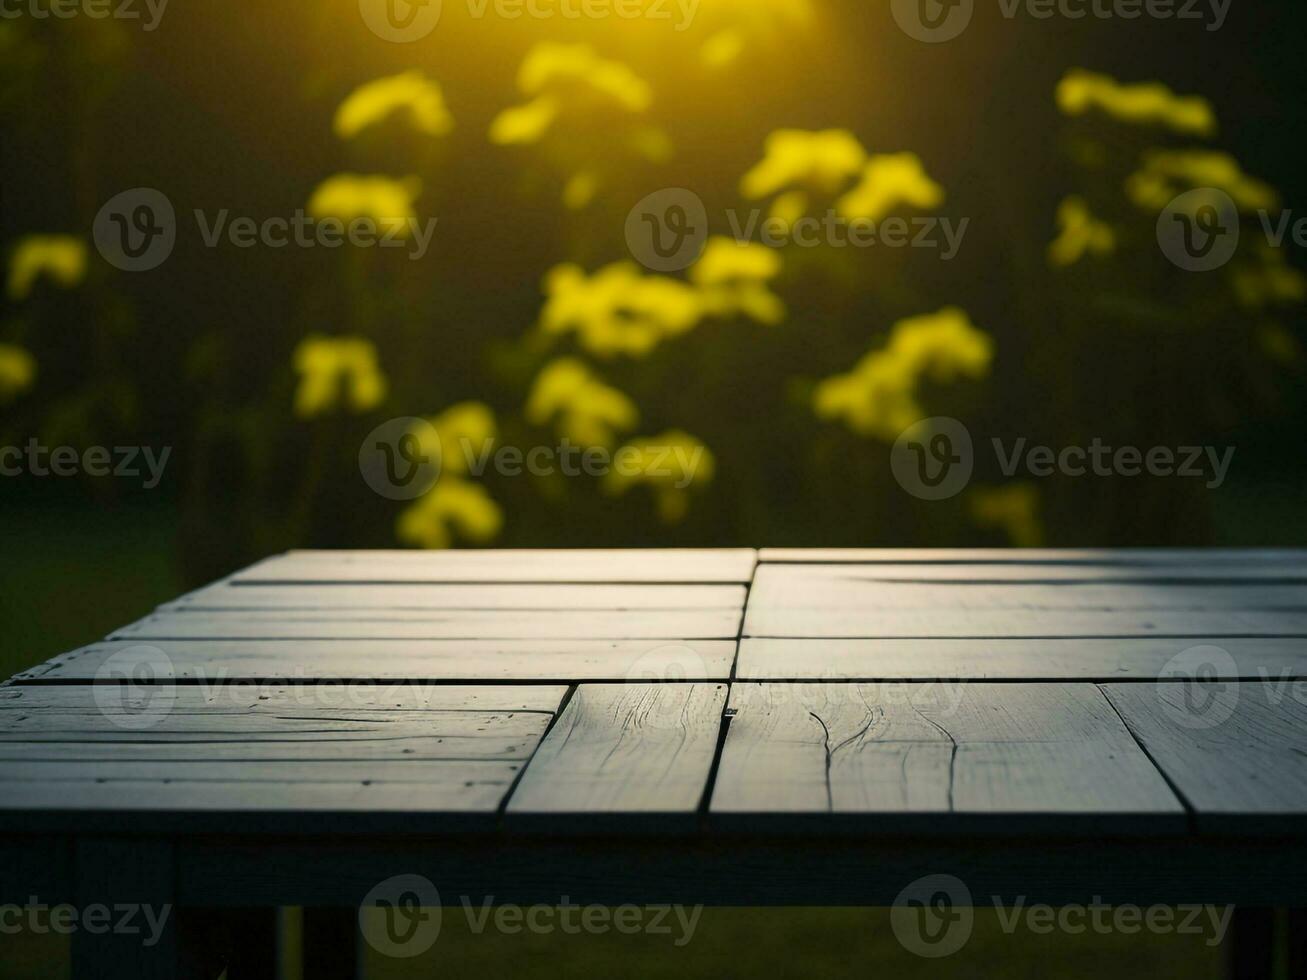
{"x": 1164, "y": 174}
{"x": 1149, "y": 103}
{"x": 879, "y": 396}
{"x": 890, "y": 181}
{"x": 1271, "y": 282}
{"x": 670, "y": 464}
{"x": 580, "y": 190}
{"x": 409, "y": 92}
{"x": 801, "y": 162}
{"x": 330, "y": 367}
{"x": 452, "y": 506}
{"x": 17, "y": 371}
{"x": 59, "y": 258}
{"x": 1013, "y": 508}
{"x": 384, "y": 200}
{"x": 617, "y": 310}
{"x": 587, "y": 412}
{"x": 1080, "y": 234}
{"x": 732, "y": 278}
{"x": 555, "y": 75}
{"x": 722, "y": 49}
{"x": 464, "y": 432}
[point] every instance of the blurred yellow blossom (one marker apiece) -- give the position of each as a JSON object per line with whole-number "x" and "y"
{"x": 800, "y": 162}
{"x": 671, "y": 464}
{"x": 1148, "y": 103}
{"x": 580, "y": 190}
{"x": 464, "y": 432}
{"x": 1279, "y": 344}
{"x": 332, "y": 368}
{"x": 1270, "y": 282}
{"x": 59, "y": 258}
{"x": 879, "y": 396}
{"x": 452, "y": 507}
{"x": 722, "y": 49}
{"x": 890, "y": 181}
{"x": 17, "y": 371}
{"x": 1080, "y": 233}
{"x": 587, "y": 411}
{"x": 733, "y": 24}
{"x": 1013, "y": 508}
{"x": 409, "y": 92}
{"x": 617, "y": 310}
{"x": 386, "y": 201}
{"x": 559, "y": 75}
{"x": 1164, "y": 174}
{"x": 732, "y": 278}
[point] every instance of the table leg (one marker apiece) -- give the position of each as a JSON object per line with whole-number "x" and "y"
{"x": 1252, "y": 944}
{"x": 331, "y": 943}
{"x": 1297, "y": 944}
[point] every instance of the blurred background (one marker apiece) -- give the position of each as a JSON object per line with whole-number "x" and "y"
{"x": 533, "y": 316}
{"x": 529, "y": 317}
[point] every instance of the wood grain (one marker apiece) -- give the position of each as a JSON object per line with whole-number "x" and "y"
{"x": 229, "y": 661}
{"x": 1252, "y": 658}
{"x": 1236, "y": 751}
{"x": 622, "y": 758}
{"x": 226, "y": 595}
{"x": 934, "y": 758}
{"x": 602, "y": 566}
{"x": 997, "y": 623}
{"x": 1050, "y": 556}
{"x": 396, "y": 624}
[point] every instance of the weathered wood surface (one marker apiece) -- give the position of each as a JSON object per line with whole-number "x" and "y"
{"x": 1250, "y": 658}
{"x": 1235, "y": 751}
{"x": 1051, "y": 556}
{"x": 225, "y": 661}
{"x": 226, "y": 595}
{"x": 624, "y": 757}
{"x": 1287, "y": 571}
{"x": 997, "y": 623}
{"x": 396, "y": 624}
{"x": 837, "y": 587}
{"x": 936, "y": 758}
{"x": 607, "y": 567}
{"x": 162, "y": 757}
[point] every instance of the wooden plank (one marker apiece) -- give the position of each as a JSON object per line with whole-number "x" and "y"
{"x": 935, "y": 758}
{"x": 1056, "y": 556}
{"x": 623, "y": 757}
{"x": 1253, "y": 658}
{"x": 1037, "y": 573}
{"x": 395, "y": 624}
{"x": 604, "y": 566}
{"x": 1234, "y": 751}
{"x": 245, "y": 661}
{"x": 226, "y": 595}
{"x": 266, "y": 760}
{"x": 996, "y": 623}
{"x": 836, "y": 587}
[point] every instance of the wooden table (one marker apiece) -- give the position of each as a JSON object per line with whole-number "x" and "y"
{"x": 721, "y": 727}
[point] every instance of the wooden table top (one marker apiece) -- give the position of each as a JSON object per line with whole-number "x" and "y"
{"x": 1089, "y": 693}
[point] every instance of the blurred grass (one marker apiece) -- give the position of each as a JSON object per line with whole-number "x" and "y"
{"x": 72, "y": 573}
